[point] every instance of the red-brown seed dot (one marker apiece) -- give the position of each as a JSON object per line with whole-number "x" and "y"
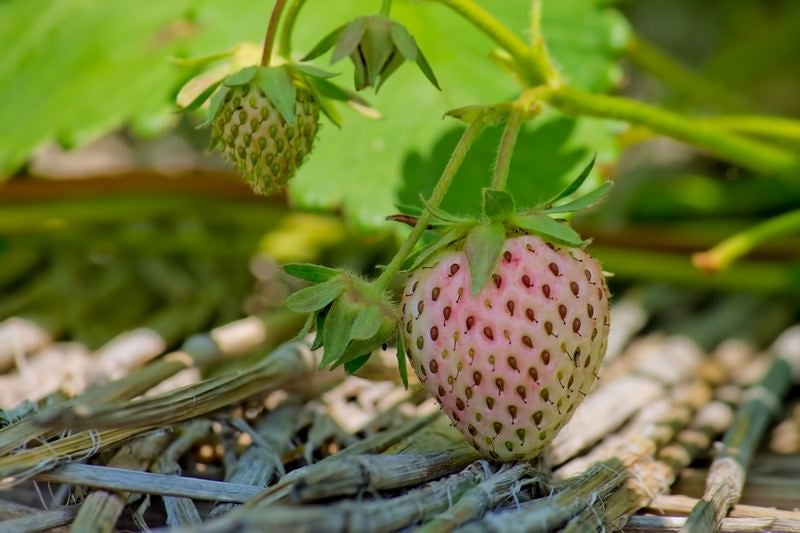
{"x": 454, "y": 269}
{"x": 446, "y": 313}
{"x": 488, "y": 333}
{"x": 500, "y": 384}
{"x": 434, "y": 333}
{"x": 521, "y": 435}
{"x": 530, "y": 315}
{"x": 414, "y": 286}
{"x": 435, "y": 293}
{"x": 548, "y": 327}
{"x": 512, "y": 410}
{"x": 570, "y": 382}
{"x": 529, "y": 247}
{"x": 441, "y": 391}
{"x": 472, "y": 430}
{"x": 551, "y": 246}
{"x": 599, "y": 293}
{"x": 434, "y": 366}
{"x": 455, "y": 416}
{"x": 498, "y": 281}
{"x": 512, "y": 362}
{"x": 498, "y": 427}
{"x": 590, "y": 310}
{"x": 562, "y": 311}
{"x": 470, "y": 322}
{"x": 408, "y": 326}
{"x": 420, "y": 342}
{"x": 460, "y": 292}
{"x": 574, "y": 288}
{"x": 587, "y": 274}
{"x": 507, "y": 256}
{"x": 553, "y": 268}
{"x": 522, "y": 393}
{"x": 420, "y": 307}
{"x": 510, "y": 307}
{"x": 477, "y": 377}
{"x": 538, "y": 416}
{"x": 533, "y": 373}
{"x": 576, "y": 325}
{"x": 594, "y": 333}
{"x": 526, "y": 280}
{"x": 588, "y": 361}
{"x": 490, "y": 403}
{"x": 460, "y": 404}
{"x": 546, "y": 357}
{"x": 527, "y": 341}
{"x": 546, "y": 290}
{"x": 576, "y": 357}
{"x": 545, "y": 394}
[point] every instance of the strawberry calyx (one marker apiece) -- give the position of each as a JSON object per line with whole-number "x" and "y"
{"x": 482, "y": 237}
{"x": 352, "y": 318}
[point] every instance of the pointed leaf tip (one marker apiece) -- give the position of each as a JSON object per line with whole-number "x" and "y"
{"x": 497, "y": 205}
{"x": 576, "y": 183}
{"x": 310, "y": 272}
{"x": 483, "y": 247}
{"x": 277, "y": 85}
{"x": 547, "y": 227}
{"x": 315, "y": 297}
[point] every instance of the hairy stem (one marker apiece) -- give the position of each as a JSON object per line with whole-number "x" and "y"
{"x": 778, "y": 128}
{"x": 507, "y": 144}
{"x": 386, "y": 7}
{"x": 289, "y": 20}
{"x": 749, "y": 153}
{"x": 272, "y": 30}
{"x": 439, "y": 191}
{"x": 722, "y": 255}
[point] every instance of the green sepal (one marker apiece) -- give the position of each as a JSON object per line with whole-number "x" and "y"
{"x": 324, "y": 104}
{"x": 324, "y": 44}
{"x": 547, "y": 227}
{"x": 320, "y": 327}
{"x": 352, "y": 366}
{"x": 584, "y": 202}
{"x": 575, "y": 185}
{"x": 444, "y": 216}
{"x": 498, "y": 205}
{"x": 202, "y": 97}
{"x": 213, "y": 106}
{"x": 310, "y": 272}
{"x": 313, "y": 71}
{"x": 366, "y": 324}
{"x": 329, "y": 90}
{"x": 408, "y": 209}
{"x": 311, "y": 319}
{"x": 422, "y": 255}
{"x": 402, "y": 363}
{"x": 483, "y": 247}
{"x": 201, "y": 62}
{"x": 277, "y": 85}
{"x": 404, "y": 42}
{"x": 315, "y": 297}
{"x": 336, "y": 335}
{"x": 425, "y": 67}
{"x": 243, "y": 77}
{"x": 348, "y": 39}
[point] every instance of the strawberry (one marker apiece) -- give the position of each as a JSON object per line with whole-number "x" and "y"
{"x": 509, "y": 364}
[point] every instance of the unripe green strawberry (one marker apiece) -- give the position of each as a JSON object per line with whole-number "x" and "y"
{"x": 508, "y": 364}
{"x": 254, "y": 135}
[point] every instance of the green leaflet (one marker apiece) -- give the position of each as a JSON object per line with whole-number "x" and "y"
{"x": 421, "y": 256}
{"x": 547, "y": 227}
{"x": 584, "y": 202}
{"x": 310, "y": 272}
{"x": 315, "y": 297}
{"x": 497, "y": 205}
{"x": 213, "y": 106}
{"x": 401, "y": 360}
{"x": 324, "y": 44}
{"x": 352, "y": 366}
{"x": 576, "y": 183}
{"x": 307, "y": 327}
{"x": 202, "y": 97}
{"x": 367, "y": 323}
{"x": 243, "y": 77}
{"x": 483, "y": 247}
{"x": 313, "y": 71}
{"x": 336, "y": 335}
{"x": 320, "y": 319}
{"x": 348, "y": 39}
{"x": 278, "y": 86}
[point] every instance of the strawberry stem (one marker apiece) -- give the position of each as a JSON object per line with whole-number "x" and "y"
{"x": 272, "y": 30}
{"x": 439, "y": 191}
{"x": 386, "y": 7}
{"x": 507, "y": 144}
{"x": 289, "y": 19}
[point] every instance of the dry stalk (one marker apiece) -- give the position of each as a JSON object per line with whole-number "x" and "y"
{"x": 653, "y": 524}
{"x": 683, "y": 505}
{"x": 728, "y": 472}
{"x": 40, "y": 520}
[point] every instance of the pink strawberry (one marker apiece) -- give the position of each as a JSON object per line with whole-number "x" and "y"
{"x": 509, "y": 364}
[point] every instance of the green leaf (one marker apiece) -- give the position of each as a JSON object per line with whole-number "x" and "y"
{"x": 576, "y": 184}
{"x": 307, "y": 327}
{"x": 202, "y": 97}
{"x": 348, "y": 40}
{"x": 423, "y": 254}
{"x": 352, "y": 366}
{"x": 402, "y": 363}
{"x": 497, "y": 205}
{"x": 404, "y": 42}
{"x": 315, "y": 297}
{"x": 483, "y": 247}
{"x": 213, "y": 106}
{"x": 324, "y": 44}
{"x": 336, "y": 335}
{"x": 243, "y": 77}
{"x": 367, "y": 323}
{"x": 584, "y": 202}
{"x": 547, "y": 227}
{"x": 310, "y": 272}
{"x": 406, "y": 209}
{"x": 311, "y": 70}
{"x": 320, "y": 327}
{"x": 325, "y": 105}
{"x": 425, "y": 67}
{"x": 278, "y": 86}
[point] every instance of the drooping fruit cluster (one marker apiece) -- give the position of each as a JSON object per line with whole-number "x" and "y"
{"x": 510, "y": 363}
{"x": 253, "y": 134}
